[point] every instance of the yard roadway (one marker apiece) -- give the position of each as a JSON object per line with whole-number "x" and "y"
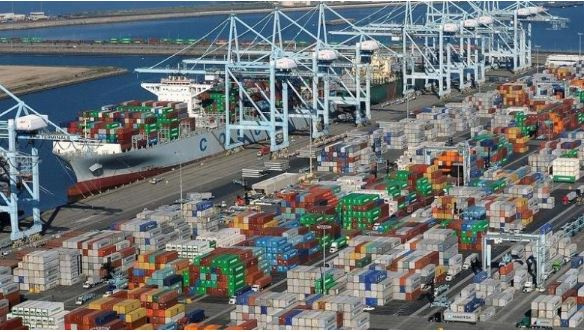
{"x": 507, "y": 316}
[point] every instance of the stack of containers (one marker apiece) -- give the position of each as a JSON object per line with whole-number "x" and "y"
{"x": 502, "y": 119}
{"x": 370, "y": 285}
{"x": 152, "y": 230}
{"x": 38, "y": 271}
{"x": 514, "y": 94}
{"x": 281, "y": 255}
{"x": 88, "y": 319}
{"x": 443, "y": 207}
{"x": 226, "y": 271}
{"x": 541, "y": 161}
{"x": 284, "y": 311}
{"x": 150, "y": 122}
{"x": 435, "y": 177}
{"x": 9, "y": 289}
{"x": 349, "y": 157}
{"x": 474, "y": 224}
{"x": 361, "y": 211}
{"x": 417, "y": 131}
{"x": 161, "y": 267}
{"x": 307, "y": 244}
{"x": 443, "y": 123}
{"x": 544, "y": 311}
{"x": 319, "y": 199}
{"x": 349, "y": 308}
{"x": 161, "y": 305}
{"x": 200, "y": 214}
{"x": 224, "y": 238}
{"x": 70, "y": 271}
{"x": 406, "y": 285}
{"x": 250, "y": 222}
{"x": 350, "y": 183}
{"x": 189, "y": 248}
{"x": 517, "y": 136}
{"x": 464, "y": 116}
{"x": 305, "y": 280}
{"x": 99, "y": 248}
{"x": 486, "y": 103}
{"x": 4, "y": 310}
{"x": 169, "y": 278}
{"x": 264, "y": 307}
{"x": 43, "y": 315}
{"x": 393, "y": 135}
{"x": 566, "y": 169}
{"x": 322, "y": 320}
{"x": 362, "y": 250}
{"x": 466, "y": 302}
{"x": 445, "y": 242}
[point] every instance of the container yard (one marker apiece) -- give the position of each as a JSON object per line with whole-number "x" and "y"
{"x": 249, "y": 209}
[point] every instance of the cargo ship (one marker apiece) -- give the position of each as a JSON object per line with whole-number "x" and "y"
{"x": 135, "y": 140}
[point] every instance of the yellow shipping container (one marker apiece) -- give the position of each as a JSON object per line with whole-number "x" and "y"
{"x": 126, "y": 306}
{"x": 273, "y": 223}
{"x": 135, "y": 315}
{"x": 174, "y": 310}
{"x": 96, "y": 304}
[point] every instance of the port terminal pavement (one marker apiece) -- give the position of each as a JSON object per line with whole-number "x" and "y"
{"x": 216, "y": 175}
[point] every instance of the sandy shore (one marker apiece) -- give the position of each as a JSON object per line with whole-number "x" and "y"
{"x": 26, "y": 79}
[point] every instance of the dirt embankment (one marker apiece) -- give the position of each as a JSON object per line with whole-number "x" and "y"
{"x": 26, "y": 79}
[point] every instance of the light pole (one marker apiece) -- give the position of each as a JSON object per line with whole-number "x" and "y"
{"x": 310, "y": 147}
{"x": 407, "y": 95}
{"x": 537, "y": 47}
{"x": 580, "y": 45}
{"x": 323, "y": 228}
{"x": 180, "y": 185}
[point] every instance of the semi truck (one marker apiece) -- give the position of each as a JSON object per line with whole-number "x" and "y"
{"x": 465, "y": 317}
{"x": 338, "y": 244}
{"x": 468, "y": 261}
{"x": 261, "y": 283}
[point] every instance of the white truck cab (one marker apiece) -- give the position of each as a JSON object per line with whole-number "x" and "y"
{"x": 528, "y": 287}
{"x": 468, "y": 261}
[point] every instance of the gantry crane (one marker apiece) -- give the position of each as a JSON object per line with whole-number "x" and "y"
{"x": 538, "y": 241}
{"x": 20, "y": 127}
{"x": 303, "y": 73}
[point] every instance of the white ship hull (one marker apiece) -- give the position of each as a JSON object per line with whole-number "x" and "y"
{"x": 103, "y": 166}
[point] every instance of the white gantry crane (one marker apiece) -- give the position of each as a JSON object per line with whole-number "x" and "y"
{"x": 290, "y": 84}
{"x": 447, "y": 44}
{"x": 20, "y": 127}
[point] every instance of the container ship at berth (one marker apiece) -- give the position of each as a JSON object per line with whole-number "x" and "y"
{"x": 135, "y": 140}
